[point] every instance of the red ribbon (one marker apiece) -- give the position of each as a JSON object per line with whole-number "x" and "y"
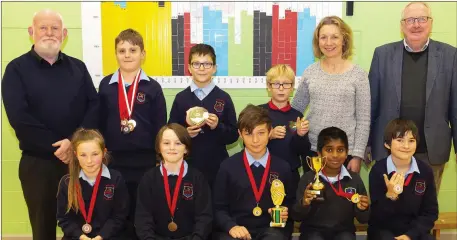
{"x": 274, "y": 107}
{"x": 340, "y": 189}
{"x": 257, "y": 192}
{"x": 172, "y": 205}
{"x": 88, "y": 217}
{"x": 126, "y": 106}
{"x": 408, "y": 179}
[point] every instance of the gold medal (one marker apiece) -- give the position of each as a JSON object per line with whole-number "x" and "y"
{"x": 398, "y": 189}
{"x": 257, "y": 211}
{"x": 132, "y": 122}
{"x": 172, "y": 227}
{"x": 124, "y": 122}
{"x": 87, "y": 228}
{"x": 197, "y": 115}
{"x": 355, "y": 198}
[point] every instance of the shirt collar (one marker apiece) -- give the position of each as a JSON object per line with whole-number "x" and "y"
{"x": 263, "y": 160}
{"x": 105, "y": 173}
{"x": 175, "y": 173}
{"x": 409, "y": 49}
{"x": 272, "y": 106}
{"x": 115, "y": 77}
{"x": 40, "y": 59}
{"x": 391, "y": 166}
{"x": 343, "y": 173}
{"x": 206, "y": 90}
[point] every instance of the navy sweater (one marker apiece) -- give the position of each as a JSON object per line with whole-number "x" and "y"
{"x": 110, "y": 211}
{"x": 150, "y": 114}
{"x": 234, "y": 199}
{"x": 415, "y": 211}
{"x": 208, "y": 147}
{"x": 47, "y": 103}
{"x": 335, "y": 213}
{"x": 193, "y": 213}
{"x": 292, "y": 147}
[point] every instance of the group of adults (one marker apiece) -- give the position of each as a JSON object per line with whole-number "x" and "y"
{"x": 48, "y": 95}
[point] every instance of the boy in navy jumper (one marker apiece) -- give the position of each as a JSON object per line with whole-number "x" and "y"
{"x": 289, "y": 139}
{"x": 404, "y": 203}
{"x": 219, "y": 129}
{"x": 242, "y": 197}
{"x": 133, "y": 110}
{"x": 333, "y": 218}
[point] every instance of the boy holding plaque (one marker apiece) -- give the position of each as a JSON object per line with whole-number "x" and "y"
{"x": 404, "y": 202}
{"x": 207, "y": 111}
{"x": 330, "y": 217}
{"x": 133, "y": 110}
{"x": 289, "y": 137}
{"x": 242, "y": 191}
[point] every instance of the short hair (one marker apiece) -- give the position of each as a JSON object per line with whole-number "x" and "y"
{"x": 329, "y": 134}
{"x": 131, "y": 36}
{"x": 253, "y": 116}
{"x": 345, "y": 31}
{"x": 398, "y": 128}
{"x": 411, "y": 3}
{"x": 280, "y": 70}
{"x": 180, "y": 132}
{"x": 202, "y": 49}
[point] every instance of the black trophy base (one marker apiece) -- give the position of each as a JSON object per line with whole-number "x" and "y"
{"x": 319, "y": 195}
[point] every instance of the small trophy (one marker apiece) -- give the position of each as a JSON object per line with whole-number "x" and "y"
{"x": 316, "y": 164}
{"x": 277, "y": 195}
{"x": 196, "y": 115}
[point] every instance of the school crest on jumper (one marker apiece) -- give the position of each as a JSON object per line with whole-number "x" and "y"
{"x": 140, "y": 97}
{"x": 420, "y": 187}
{"x": 109, "y": 192}
{"x": 350, "y": 190}
{"x": 273, "y": 176}
{"x": 219, "y": 105}
{"x": 188, "y": 191}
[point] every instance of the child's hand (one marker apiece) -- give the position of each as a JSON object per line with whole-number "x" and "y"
{"x": 64, "y": 151}
{"x": 193, "y": 130}
{"x": 354, "y": 164}
{"x": 397, "y": 180}
{"x": 212, "y": 121}
{"x": 84, "y": 237}
{"x": 308, "y": 196}
{"x": 284, "y": 213}
{"x": 279, "y": 132}
{"x": 240, "y": 232}
{"x": 363, "y": 203}
{"x": 402, "y": 237}
{"x": 97, "y": 238}
{"x": 302, "y": 126}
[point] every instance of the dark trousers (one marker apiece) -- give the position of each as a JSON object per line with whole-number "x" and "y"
{"x": 388, "y": 235}
{"x": 327, "y": 235}
{"x": 261, "y": 234}
{"x": 40, "y": 179}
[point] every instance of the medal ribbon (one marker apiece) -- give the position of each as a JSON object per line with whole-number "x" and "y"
{"x": 340, "y": 189}
{"x": 407, "y": 180}
{"x": 172, "y": 205}
{"x": 126, "y": 107}
{"x": 82, "y": 207}
{"x": 257, "y": 192}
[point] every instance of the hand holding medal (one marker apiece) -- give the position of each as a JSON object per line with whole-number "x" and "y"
{"x": 302, "y": 126}
{"x": 362, "y": 203}
{"x": 196, "y": 116}
{"x": 395, "y": 183}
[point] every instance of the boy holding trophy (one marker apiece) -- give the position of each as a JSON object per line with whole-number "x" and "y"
{"x": 252, "y": 182}
{"x": 330, "y": 196}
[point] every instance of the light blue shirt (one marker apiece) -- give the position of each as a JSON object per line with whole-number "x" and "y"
{"x": 391, "y": 166}
{"x": 201, "y": 93}
{"x": 262, "y": 161}
{"x": 115, "y": 77}
{"x": 105, "y": 173}
{"x": 409, "y": 49}
{"x": 175, "y": 173}
{"x": 343, "y": 173}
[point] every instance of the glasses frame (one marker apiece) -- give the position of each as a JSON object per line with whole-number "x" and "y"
{"x": 415, "y": 19}
{"x": 281, "y": 85}
{"x": 194, "y": 65}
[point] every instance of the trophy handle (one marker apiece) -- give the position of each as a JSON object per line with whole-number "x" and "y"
{"x": 308, "y": 160}
{"x": 324, "y": 160}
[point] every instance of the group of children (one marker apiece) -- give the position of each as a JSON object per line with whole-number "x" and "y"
{"x": 176, "y": 180}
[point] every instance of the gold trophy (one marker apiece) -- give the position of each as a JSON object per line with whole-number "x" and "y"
{"x": 277, "y": 195}
{"x": 316, "y": 164}
{"x": 196, "y": 115}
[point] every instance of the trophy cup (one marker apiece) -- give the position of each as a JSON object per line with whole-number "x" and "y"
{"x": 196, "y": 115}
{"x": 316, "y": 164}
{"x": 277, "y": 195}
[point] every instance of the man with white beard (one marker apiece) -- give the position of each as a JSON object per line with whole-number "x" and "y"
{"x": 47, "y": 96}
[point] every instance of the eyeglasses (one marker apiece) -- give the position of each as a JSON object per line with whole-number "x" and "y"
{"x": 278, "y": 85}
{"x": 206, "y": 65}
{"x": 411, "y": 20}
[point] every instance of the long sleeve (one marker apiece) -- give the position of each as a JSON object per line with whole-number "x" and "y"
{"x": 299, "y": 212}
{"x": 453, "y": 103}
{"x": 203, "y": 211}
{"x": 177, "y": 115}
{"x": 29, "y": 130}
{"x": 361, "y": 216}
{"x": 159, "y": 115}
{"x": 300, "y": 145}
{"x": 226, "y": 128}
{"x": 221, "y": 202}
{"x": 117, "y": 220}
{"x": 144, "y": 221}
{"x": 66, "y": 220}
{"x": 381, "y": 206}
{"x": 362, "y": 115}
{"x": 301, "y": 98}
{"x": 289, "y": 200}
{"x": 91, "y": 117}
{"x": 374, "y": 78}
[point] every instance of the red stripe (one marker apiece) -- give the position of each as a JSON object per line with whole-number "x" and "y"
{"x": 275, "y": 35}
{"x": 187, "y": 42}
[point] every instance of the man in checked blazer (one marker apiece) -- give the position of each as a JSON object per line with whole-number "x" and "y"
{"x": 416, "y": 79}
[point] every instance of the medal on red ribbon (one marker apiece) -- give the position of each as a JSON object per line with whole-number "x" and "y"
{"x": 172, "y": 226}
{"x": 87, "y": 228}
{"x": 398, "y": 189}
{"x": 353, "y": 197}
{"x": 126, "y": 102}
{"x": 257, "y": 211}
